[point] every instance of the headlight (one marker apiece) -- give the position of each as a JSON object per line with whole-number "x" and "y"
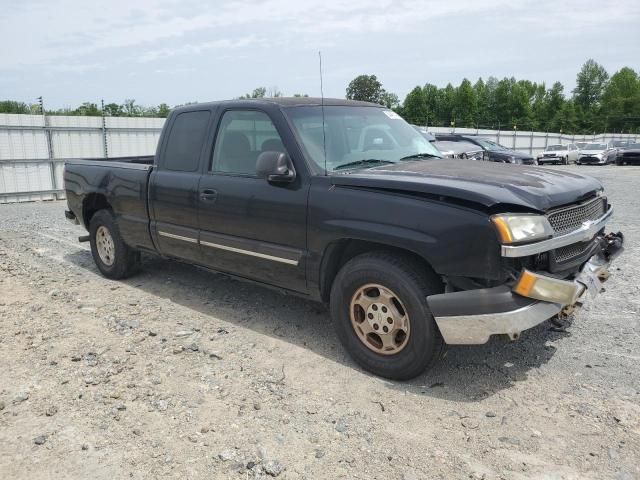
{"x": 517, "y": 228}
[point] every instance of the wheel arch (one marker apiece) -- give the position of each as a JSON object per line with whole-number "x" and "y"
{"x": 340, "y": 251}
{"x": 91, "y": 204}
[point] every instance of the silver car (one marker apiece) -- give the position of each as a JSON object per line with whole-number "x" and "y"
{"x": 559, "y": 153}
{"x": 594, "y": 154}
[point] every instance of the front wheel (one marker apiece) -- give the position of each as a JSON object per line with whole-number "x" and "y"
{"x": 112, "y": 256}
{"x": 380, "y": 313}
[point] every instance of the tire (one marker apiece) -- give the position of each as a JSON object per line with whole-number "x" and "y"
{"x": 121, "y": 261}
{"x": 566, "y": 161}
{"x": 422, "y": 347}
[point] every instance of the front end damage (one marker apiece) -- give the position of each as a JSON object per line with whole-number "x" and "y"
{"x": 472, "y": 316}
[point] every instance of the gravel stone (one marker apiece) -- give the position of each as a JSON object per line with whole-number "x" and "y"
{"x": 273, "y": 468}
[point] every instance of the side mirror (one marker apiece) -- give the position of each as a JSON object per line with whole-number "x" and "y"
{"x": 276, "y": 167}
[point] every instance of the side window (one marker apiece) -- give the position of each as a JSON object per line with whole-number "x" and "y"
{"x": 242, "y": 136}
{"x": 185, "y": 141}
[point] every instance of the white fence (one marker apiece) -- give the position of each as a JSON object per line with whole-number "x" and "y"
{"x": 33, "y": 147}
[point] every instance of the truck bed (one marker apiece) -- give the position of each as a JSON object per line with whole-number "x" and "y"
{"x": 123, "y": 182}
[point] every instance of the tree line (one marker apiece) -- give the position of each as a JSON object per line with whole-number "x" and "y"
{"x": 127, "y": 109}
{"x": 598, "y": 103}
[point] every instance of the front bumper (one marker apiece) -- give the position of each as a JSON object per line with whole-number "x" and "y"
{"x": 470, "y": 317}
{"x": 591, "y": 161}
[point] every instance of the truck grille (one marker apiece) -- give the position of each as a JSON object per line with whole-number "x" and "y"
{"x": 563, "y": 254}
{"x": 568, "y": 219}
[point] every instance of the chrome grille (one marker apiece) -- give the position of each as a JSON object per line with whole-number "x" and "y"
{"x": 563, "y": 254}
{"x": 569, "y": 219}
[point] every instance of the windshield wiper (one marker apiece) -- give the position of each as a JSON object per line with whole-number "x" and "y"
{"x": 363, "y": 162}
{"x": 419, "y": 155}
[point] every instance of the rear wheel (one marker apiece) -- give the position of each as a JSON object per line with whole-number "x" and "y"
{"x": 381, "y": 316}
{"x": 112, "y": 256}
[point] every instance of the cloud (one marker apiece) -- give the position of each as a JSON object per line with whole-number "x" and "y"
{"x": 197, "y": 49}
{"x": 69, "y": 29}
{"x": 72, "y": 28}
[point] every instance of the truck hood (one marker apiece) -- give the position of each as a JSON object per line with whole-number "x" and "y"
{"x": 484, "y": 183}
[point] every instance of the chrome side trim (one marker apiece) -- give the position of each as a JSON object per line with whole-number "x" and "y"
{"x": 476, "y": 329}
{"x": 249, "y": 252}
{"x": 177, "y": 237}
{"x": 586, "y": 232}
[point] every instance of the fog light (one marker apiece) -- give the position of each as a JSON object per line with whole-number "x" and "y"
{"x": 545, "y": 288}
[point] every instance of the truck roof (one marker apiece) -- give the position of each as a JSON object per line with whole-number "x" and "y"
{"x": 282, "y": 101}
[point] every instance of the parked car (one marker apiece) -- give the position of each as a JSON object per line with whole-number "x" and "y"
{"x": 461, "y": 150}
{"x": 495, "y": 151}
{"x": 629, "y": 154}
{"x": 614, "y": 146}
{"x": 595, "y": 154}
{"x": 343, "y": 202}
{"x": 559, "y": 153}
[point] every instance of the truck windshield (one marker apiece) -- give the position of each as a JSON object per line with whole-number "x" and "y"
{"x": 357, "y": 137}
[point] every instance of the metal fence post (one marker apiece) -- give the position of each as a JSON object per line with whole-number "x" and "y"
{"x": 531, "y": 143}
{"x": 104, "y": 131}
{"x": 50, "y": 153}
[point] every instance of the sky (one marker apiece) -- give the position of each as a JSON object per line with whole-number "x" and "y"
{"x": 177, "y": 51}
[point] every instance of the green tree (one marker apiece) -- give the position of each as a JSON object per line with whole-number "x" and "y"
{"x": 366, "y": 88}
{"x": 113, "y": 110}
{"x": 87, "y": 109}
{"x": 163, "y": 110}
{"x": 482, "y": 103}
{"x": 465, "y": 104}
{"x": 590, "y": 84}
{"x": 259, "y": 92}
{"x": 389, "y": 100}
{"x": 415, "y": 108}
{"x": 130, "y": 108}
{"x": 11, "y": 106}
{"x": 621, "y": 101}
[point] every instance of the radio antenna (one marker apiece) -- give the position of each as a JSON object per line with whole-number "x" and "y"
{"x": 324, "y": 134}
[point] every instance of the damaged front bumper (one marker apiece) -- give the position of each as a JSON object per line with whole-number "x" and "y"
{"x": 470, "y": 317}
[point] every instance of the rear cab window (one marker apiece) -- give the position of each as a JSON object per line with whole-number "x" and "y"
{"x": 185, "y": 141}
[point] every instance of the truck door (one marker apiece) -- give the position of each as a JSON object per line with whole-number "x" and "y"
{"x": 173, "y": 186}
{"x": 248, "y": 226}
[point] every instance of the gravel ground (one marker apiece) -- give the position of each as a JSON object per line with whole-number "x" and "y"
{"x": 182, "y": 373}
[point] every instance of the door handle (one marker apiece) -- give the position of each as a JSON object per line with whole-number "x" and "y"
{"x": 208, "y": 195}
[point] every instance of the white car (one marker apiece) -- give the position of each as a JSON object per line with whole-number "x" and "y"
{"x": 594, "y": 154}
{"x": 559, "y": 153}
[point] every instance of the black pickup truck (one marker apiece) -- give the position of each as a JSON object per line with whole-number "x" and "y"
{"x": 344, "y": 202}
